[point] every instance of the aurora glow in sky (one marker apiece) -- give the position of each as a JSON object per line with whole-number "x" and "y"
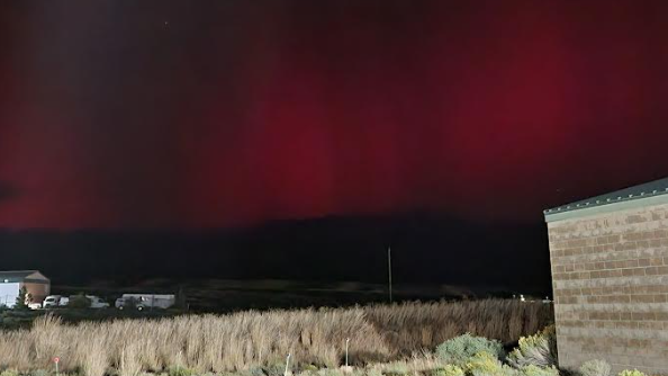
{"x": 201, "y": 114}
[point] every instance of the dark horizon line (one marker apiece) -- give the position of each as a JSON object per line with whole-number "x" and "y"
{"x": 431, "y": 215}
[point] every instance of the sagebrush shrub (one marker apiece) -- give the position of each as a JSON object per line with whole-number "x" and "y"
{"x": 634, "y": 372}
{"x": 374, "y": 372}
{"x": 449, "y": 370}
{"x": 180, "y": 371}
{"x": 595, "y": 367}
{"x": 539, "y": 349}
{"x": 9, "y": 372}
{"x": 396, "y": 368}
{"x": 486, "y": 364}
{"x": 460, "y": 349}
{"x": 483, "y": 363}
{"x": 329, "y": 372}
{"x": 532, "y": 370}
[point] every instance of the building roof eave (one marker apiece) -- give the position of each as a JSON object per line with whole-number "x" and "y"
{"x": 609, "y": 208}
{"x": 635, "y": 196}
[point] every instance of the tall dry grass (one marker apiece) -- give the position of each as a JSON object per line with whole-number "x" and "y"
{"x": 246, "y": 340}
{"x": 411, "y": 327}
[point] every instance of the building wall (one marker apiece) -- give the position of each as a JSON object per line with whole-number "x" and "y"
{"x": 610, "y": 280}
{"x": 8, "y": 293}
{"x": 39, "y": 291}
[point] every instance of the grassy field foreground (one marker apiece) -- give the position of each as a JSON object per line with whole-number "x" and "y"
{"x": 253, "y": 340}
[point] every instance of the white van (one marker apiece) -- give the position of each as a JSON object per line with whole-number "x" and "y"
{"x": 145, "y": 301}
{"x": 53, "y": 301}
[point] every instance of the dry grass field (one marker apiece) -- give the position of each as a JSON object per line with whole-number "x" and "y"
{"x": 250, "y": 339}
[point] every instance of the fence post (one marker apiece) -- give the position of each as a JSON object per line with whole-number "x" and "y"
{"x": 287, "y": 365}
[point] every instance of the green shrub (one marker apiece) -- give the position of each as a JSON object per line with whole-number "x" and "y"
{"x": 396, "y": 368}
{"x": 79, "y": 302}
{"x": 486, "y": 364}
{"x": 532, "y": 370}
{"x": 180, "y": 371}
{"x": 39, "y": 372}
{"x": 9, "y": 372}
{"x": 595, "y": 368}
{"x": 310, "y": 368}
{"x": 274, "y": 368}
{"x": 483, "y": 362}
{"x": 329, "y": 372}
{"x": 539, "y": 349}
{"x": 634, "y": 372}
{"x": 460, "y": 349}
{"x": 255, "y": 371}
{"x": 449, "y": 370}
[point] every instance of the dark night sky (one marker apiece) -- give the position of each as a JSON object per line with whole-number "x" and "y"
{"x": 186, "y": 116}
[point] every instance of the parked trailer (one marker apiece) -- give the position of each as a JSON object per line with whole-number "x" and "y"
{"x": 145, "y": 301}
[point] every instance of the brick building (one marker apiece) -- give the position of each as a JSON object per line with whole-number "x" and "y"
{"x": 609, "y": 257}
{"x": 11, "y": 282}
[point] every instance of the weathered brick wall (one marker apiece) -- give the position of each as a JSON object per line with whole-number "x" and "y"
{"x": 610, "y": 280}
{"x": 39, "y": 291}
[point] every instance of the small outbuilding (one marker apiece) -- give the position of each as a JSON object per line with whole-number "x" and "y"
{"x": 609, "y": 257}
{"x": 36, "y": 284}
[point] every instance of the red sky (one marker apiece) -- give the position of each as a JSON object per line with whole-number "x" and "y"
{"x": 197, "y": 114}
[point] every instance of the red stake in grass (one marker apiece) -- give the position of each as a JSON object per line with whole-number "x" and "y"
{"x": 56, "y": 360}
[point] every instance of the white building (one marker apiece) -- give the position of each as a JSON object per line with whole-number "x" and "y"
{"x": 11, "y": 282}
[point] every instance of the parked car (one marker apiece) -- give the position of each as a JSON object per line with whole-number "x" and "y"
{"x": 141, "y": 302}
{"x": 53, "y": 301}
{"x": 96, "y": 302}
{"x": 87, "y": 302}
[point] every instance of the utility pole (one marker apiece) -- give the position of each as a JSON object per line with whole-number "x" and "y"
{"x": 389, "y": 271}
